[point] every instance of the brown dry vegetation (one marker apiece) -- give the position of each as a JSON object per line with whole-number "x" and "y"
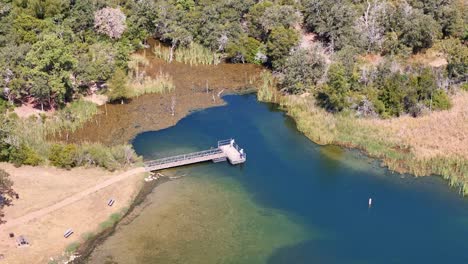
{"x": 443, "y": 133}
{"x": 433, "y": 144}
{"x": 41, "y": 189}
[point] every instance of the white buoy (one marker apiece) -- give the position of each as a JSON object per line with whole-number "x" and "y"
{"x": 370, "y": 202}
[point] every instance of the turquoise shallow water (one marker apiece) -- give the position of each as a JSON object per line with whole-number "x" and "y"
{"x": 291, "y": 202}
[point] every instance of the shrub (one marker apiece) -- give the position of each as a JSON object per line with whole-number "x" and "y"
{"x": 303, "y": 69}
{"x": 63, "y": 155}
{"x": 464, "y": 87}
{"x": 72, "y": 247}
{"x": 440, "y": 100}
{"x": 24, "y": 155}
{"x": 3, "y": 106}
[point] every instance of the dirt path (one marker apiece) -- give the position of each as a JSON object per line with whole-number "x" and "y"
{"x": 72, "y": 199}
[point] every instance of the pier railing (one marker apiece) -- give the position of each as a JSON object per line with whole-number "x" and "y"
{"x": 183, "y": 157}
{"x": 228, "y": 142}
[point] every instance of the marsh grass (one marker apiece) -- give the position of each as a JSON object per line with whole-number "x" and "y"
{"x": 72, "y": 247}
{"x": 267, "y": 90}
{"x": 34, "y": 132}
{"x": 160, "y": 84}
{"x": 193, "y": 54}
{"x": 71, "y": 117}
{"x": 111, "y": 221}
{"x": 380, "y": 142}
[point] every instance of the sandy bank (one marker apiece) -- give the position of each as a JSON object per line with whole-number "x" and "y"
{"x": 53, "y": 200}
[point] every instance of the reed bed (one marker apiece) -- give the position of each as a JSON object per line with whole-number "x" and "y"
{"x": 161, "y": 84}
{"x": 267, "y": 90}
{"x": 31, "y": 136}
{"x": 398, "y": 153}
{"x": 71, "y": 117}
{"x": 193, "y": 54}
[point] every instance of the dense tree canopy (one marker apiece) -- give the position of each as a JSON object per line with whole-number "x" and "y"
{"x": 50, "y": 50}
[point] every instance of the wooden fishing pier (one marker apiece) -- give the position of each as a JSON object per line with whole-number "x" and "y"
{"x": 226, "y": 150}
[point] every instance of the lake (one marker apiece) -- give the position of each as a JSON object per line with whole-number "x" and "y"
{"x": 292, "y": 202}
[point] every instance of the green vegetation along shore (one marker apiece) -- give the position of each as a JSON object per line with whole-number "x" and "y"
{"x": 367, "y": 60}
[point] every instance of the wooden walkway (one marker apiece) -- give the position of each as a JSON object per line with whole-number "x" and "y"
{"x": 226, "y": 150}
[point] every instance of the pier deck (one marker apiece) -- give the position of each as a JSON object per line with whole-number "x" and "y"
{"x": 227, "y": 149}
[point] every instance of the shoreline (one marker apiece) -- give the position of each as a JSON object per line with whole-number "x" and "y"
{"x": 85, "y": 250}
{"x": 381, "y": 139}
{"x": 52, "y": 200}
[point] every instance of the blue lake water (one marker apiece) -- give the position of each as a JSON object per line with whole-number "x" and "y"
{"x": 292, "y": 202}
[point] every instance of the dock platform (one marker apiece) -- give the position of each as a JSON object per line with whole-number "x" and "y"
{"x": 226, "y": 150}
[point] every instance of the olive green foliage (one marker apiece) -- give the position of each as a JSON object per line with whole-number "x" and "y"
{"x": 464, "y": 87}
{"x": 245, "y": 50}
{"x": 244, "y": 30}
{"x": 303, "y": 70}
{"x": 457, "y": 57}
{"x": 279, "y": 44}
{"x": 3, "y": 105}
{"x": 193, "y": 54}
{"x": 24, "y": 155}
{"x": 331, "y": 20}
{"x": 24, "y": 141}
{"x": 267, "y": 91}
{"x": 341, "y": 81}
{"x": 118, "y": 88}
{"x": 63, "y": 155}
{"x": 335, "y": 92}
{"x": 50, "y": 50}
{"x": 419, "y": 31}
{"x": 6, "y": 192}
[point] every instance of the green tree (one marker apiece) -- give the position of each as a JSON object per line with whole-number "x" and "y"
{"x": 303, "y": 69}
{"x": 457, "y": 58}
{"x": 419, "y": 31}
{"x": 392, "y": 94}
{"x": 244, "y": 50}
{"x": 254, "y": 22}
{"x": 118, "y": 89}
{"x": 95, "y": 64}
{"x": 51, "y": 57}
{"x": 27, "y": 28}
{"x": 279, "y": 44}
{"x": 80, "y": 18}
{"x": 337, "y": 88}
{"x": 331, "y": 20}
{"x": 40, "y": 88}
{"x": 7, "y": 194}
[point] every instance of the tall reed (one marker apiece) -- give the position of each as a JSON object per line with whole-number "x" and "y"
{"x": 193, "y": 54}
{"x": 345, "y": 130}
{"x": 267, "y": 90}
{"x": 160, "y": 84}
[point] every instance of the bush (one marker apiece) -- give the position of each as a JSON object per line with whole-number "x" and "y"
{"x": 440, "y": 100}
{"x": 24, "y": 155}
{"x": 110, "y": 158}
{"x": 72, "y": 247}
{"x": 303, "y": 69}
{"x": 3, "y": 106}
{"x": 63, "y": 155}
{"x": 464, "y": 87}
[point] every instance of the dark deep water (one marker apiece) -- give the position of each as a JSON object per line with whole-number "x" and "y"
{"x": 321, "y": 191}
